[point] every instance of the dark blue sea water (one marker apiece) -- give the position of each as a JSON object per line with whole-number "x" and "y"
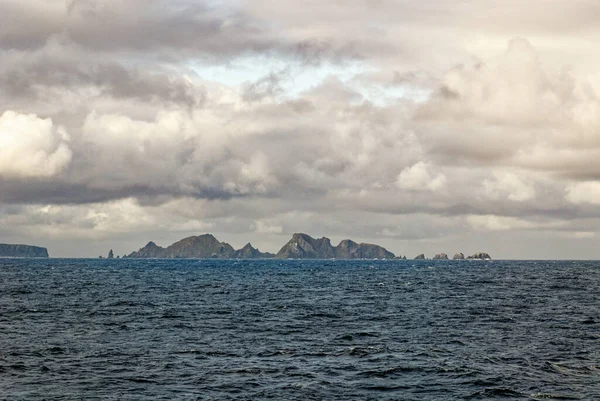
{"x": 305, "y": 330}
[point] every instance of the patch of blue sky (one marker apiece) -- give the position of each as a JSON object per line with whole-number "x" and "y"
{"x": 298, "y": 77}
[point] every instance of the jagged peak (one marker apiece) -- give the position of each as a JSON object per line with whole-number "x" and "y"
{"x": 302, "y": 236}
{"x": 207, "y": 235}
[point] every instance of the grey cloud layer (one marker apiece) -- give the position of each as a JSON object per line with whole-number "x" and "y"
{"x": 418, "y": 130}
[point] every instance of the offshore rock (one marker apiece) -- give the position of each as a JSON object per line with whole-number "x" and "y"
{"x": 441, "y": 256}
{"x": 480, "y": 256}
{"x": 420, "y": 257}
{"x": 22, "y": 251}
{"x": 303, "y": 246}
{"x": 111, "y": 255}
{"x": 459, "y": 256}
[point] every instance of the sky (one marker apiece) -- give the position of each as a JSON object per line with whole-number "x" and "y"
{"x": 425, "y": 127}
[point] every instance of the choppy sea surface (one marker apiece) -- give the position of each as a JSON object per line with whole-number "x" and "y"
{"x": 304, "y": 330}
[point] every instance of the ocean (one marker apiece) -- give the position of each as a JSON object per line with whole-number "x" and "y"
{"x": 75, "y": 329}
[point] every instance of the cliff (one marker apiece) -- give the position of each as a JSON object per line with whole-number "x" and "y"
{"x": 22, "y": 251}
{"x": 303, "y": 246}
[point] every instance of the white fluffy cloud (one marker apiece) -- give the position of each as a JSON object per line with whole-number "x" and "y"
{"x": 31, "y": 146}
{"x": 420, "y": 177}
{"x": 508, "y": 185}
{"x": 584, "y": 192}
{"x": 515, "y": 110}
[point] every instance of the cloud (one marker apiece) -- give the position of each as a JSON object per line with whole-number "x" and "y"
{"x": 31, "y": 146}
{"x": 514, "y": 111}
{"x": 419, "y": 177}
{"x": 508, "y": 185}
{"x": 266, "y": 227}
{"x": 498, "y": 223}
{"x": 582, "y": 234}
{"x": 584, "y": 192}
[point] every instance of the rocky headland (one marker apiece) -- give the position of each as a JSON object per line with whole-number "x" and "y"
{"x": 22, "y": 251}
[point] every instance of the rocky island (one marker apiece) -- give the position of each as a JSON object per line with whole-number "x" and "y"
{"x": 22, "y": 251}
{"x": 199, "y": 247}
{"x": 301, "y": 246}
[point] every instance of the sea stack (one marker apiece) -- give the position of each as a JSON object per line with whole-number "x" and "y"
{"x": 480, "y": 256}
{"x": 111, "y": 255}
{"x": 459, "y": 256}
{"x": 420, "y": 257}
{"x": 441, "y": 256}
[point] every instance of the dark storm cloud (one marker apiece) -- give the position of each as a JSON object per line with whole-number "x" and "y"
{"x": 62, "y": 193}
{"x": 110, "y": 79}
{"x": 130, "y": 25}
{"x": 155, "y": 29}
